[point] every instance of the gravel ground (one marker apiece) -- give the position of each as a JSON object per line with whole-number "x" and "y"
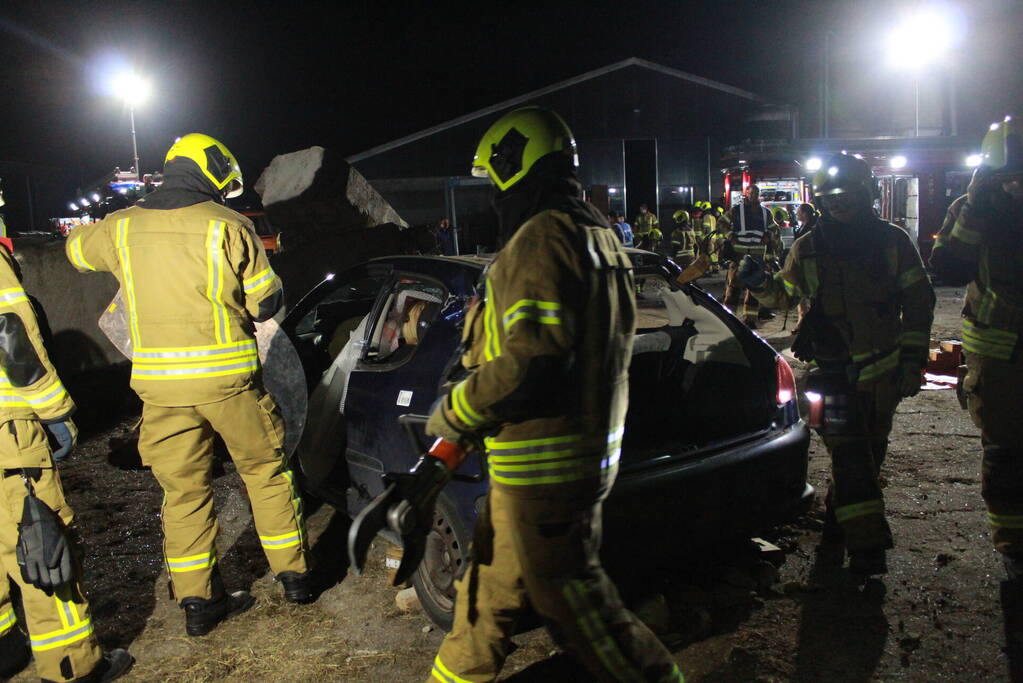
{"x": 734, "y": 614}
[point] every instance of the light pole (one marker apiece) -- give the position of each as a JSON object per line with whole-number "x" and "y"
{"x": 920, "y": 39}
{"x": 133, "y": 90}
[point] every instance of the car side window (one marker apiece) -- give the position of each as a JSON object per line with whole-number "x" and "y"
{"x": 342, "y": 310}
{"x": 409, "y": 310}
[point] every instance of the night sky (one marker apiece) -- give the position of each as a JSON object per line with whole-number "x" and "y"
{"x": 269, "y": 78}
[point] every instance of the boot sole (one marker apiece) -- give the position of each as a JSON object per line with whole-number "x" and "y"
{"x": 242, "y": 606}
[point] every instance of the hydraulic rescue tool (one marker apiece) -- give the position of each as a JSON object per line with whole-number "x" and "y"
{"x": 407, "y": 504}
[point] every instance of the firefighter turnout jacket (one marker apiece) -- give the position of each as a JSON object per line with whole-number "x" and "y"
{"x": 193, "y": 279}
{"x": 983, "y": 248}
{"x": 870, "y": 282}
{"x": 59, "y": 625}
{"x": 988, "y": 244}
{"x": 549, "y": 347}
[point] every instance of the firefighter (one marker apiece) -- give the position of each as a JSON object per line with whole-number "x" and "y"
{"x": 979, "y": 244}
{"x": 750, "y": 234}
{"x": 717, "y": 238}
{"x": 195, "y": 278}
{"x": 868, "y": 331}
{"x": 688, "y": 250}
{"x": 548, "y": 355}
{"x": 645, "y": 222}
{"x": 34, "y": 403}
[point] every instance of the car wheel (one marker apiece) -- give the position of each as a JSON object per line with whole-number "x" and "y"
{"x": 445, "y": 558}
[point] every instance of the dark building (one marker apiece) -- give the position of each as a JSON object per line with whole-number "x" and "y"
{"x": 647, "y": 134}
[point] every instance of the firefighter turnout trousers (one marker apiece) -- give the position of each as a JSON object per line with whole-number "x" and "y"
{"x": 177, "y": 443}
{"x": 738, "y": 298}
{"x": 59, "y": 626}
{"x": 994, "y": 394}
{"x": 541, "y": 554}
{"x": 854, "y": 498}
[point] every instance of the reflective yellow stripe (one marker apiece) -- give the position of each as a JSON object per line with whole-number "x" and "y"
{"x": 191, "y": 563}
{"x": 463, "y": 410}
{"x": 552, "y": 460}
{"x": 7, "y": 619}
{"x": 492, "y": 345}
{"x": 544, "y": 312}
{"x": 77, "y": 257}
{"x": 238, "y": 366}
{"x": 911, "y": 277}
{"x": 911, "y": 338}
{"x": 127, "y": 280}
{"x": 595, "y": 631}
{"x": 443, "y": 673}
{"x": 869, "y": 507}
{"x": 988, "y": 341}
{"x": 964, "y": 234}
{"x": 62, "y": 637}
{"x": 190, "y": 361}
{"x": 296, "y": 504}
{"x": 288, "y": 540}
{"x": 12, "y": 295}
{"x": 258, "y": 281}
{"x": 878, "y": 368}
{"x": 215, "y": 279}
{"x": 1005, "y": 521}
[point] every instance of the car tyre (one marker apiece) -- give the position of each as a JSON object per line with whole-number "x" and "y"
{"x": 445, "y": 559}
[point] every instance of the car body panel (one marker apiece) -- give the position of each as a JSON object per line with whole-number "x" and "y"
{"x": 706, "y": 486}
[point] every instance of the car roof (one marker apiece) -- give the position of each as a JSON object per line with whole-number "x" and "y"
{"x": 483, "y": 260}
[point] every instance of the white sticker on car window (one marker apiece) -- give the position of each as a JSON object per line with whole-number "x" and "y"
{"x": 405, "y": 398}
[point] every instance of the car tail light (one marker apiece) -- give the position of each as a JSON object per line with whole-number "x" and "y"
{"x": 786, "y": 380}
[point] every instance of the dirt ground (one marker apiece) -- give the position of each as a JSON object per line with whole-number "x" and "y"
{"x": 727, "y": 615}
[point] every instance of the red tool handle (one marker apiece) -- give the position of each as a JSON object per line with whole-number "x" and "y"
{"x": 448, "y": 452}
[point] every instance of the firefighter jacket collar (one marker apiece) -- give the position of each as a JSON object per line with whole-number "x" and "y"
{"x": 183, "y": 185}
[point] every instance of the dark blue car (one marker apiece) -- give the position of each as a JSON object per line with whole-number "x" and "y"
{"x": 713, "y": 447}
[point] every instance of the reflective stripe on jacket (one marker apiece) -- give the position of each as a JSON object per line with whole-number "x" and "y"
{"x": 29, "y": 385}
{"x": 549, "y": 347}
{"x": 871, "y": 283}
{"x": 993, "y": 309}
{"x": 192, "y": 279}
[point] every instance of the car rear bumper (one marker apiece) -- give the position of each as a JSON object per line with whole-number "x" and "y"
{"x": 738, "y": 489}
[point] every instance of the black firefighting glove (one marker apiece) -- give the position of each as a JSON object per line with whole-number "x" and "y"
{"x": 751, "y": 272}
{"x": 65, "y": 434}
{"x": 43, "y": 552}
{"x": 909, "y": 378}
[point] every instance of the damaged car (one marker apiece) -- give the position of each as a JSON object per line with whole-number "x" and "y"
{"x": 714, "y": 446}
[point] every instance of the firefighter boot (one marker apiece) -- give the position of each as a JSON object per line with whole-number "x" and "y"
{"x": 298, "y": 588}
{"x": 13, "y": 653}
{"x": 866, "y": 563}
{"x": 114, "y": 664}
{"x": 202, "y": 616}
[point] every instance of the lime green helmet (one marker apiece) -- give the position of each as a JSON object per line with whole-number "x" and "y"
{"x": 1002, "y": 148}
{"x": 843, "y": 174}
{"x": 780, "y": 214}
{"x": 214, "y": 160}
{"x": 719, "y": 209}
{"x": 680, "y": 216}
{"x": 519, "y": 139}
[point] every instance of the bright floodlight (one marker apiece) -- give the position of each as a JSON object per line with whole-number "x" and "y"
{"x": 920, "y": 38}
{"x": 73, "y": 206}
{"x": 898, "y": 162}
{"x": 131, "y": 88}
{"x": 814, "y": 164}
{"x": 974, "y": 160}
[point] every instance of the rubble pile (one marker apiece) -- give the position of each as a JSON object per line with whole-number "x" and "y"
{"x": 330, "y": 217}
